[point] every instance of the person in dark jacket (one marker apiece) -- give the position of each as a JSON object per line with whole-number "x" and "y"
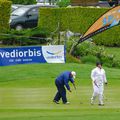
{"x": 61, "y": 82}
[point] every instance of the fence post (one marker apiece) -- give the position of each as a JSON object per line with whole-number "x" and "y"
{"x": 58, "y": 33}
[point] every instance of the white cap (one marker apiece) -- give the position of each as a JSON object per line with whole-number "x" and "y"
{"x": 73, "y": 74}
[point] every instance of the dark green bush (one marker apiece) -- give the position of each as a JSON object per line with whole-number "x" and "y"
{"x": 49, "y": 19}
{"x": 83, "y": 2}
{"x": 25, "y": 2}
{"x": 71, "y": 59}
{"x": 110, "y": 37}
{"x": 76, "y": 19}
{"x": 89, "y": 59}
{"x": 26, "y": 37}
{"x": 5, "y": 8}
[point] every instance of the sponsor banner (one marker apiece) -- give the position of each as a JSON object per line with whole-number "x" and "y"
{"x": 107, "y": 20}
{"x": 32, "y": 54}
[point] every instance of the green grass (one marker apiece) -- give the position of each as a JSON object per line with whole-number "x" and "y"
{"x": 26, "y": 93}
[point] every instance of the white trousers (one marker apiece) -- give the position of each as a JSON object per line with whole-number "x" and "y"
{"x": 98, "y": 91}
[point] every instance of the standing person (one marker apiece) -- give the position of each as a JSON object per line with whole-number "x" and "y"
{"x": 61, "y": 82}
{"x": 98, "y": 77}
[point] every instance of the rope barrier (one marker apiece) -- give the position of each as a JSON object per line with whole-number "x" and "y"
{"x": 22, "y": 36}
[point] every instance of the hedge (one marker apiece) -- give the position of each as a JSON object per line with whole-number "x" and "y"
{"x": 5, "y": 8}
{"x": 78, "y": 19}
{"x": 84, "y": 2}
{"x": 24, "y": 2}
{"x": 25, "y": 37}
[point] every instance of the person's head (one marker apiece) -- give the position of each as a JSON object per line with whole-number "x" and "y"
{"x": 99, "y": 64}
{"x": 73, "y": 74}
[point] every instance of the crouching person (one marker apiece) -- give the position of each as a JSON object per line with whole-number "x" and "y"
{"x": 61, "y": 82}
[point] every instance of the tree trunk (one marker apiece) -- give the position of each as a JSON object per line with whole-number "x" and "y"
{"x": 73, "y": 48}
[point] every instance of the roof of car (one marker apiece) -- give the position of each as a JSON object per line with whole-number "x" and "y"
{"x": 15, "y": 6}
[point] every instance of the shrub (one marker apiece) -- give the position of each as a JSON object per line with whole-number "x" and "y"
{"x": 25, "y": 2}
{"x": 26, "y": 37}
{"x": 76, "y": 19}
{"x": 71, "y": 59}
{"x": 88, "y": 48}
{"x": 84, "y": 2}
{"x": 89, "y": 59}
{"x": 5, "y": 8}
{"x": 88, "y": 52}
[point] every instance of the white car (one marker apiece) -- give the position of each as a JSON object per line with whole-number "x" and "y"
{"x": 45, "y": 2}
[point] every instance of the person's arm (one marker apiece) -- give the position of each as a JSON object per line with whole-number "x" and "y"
{"x": 95, "y": 83}
{"x": 67, "y": 85}
{"x": 74, "y": 85}
{"x": 93, "y": 73}
{"x": 104, "y": 78}
{"x": 73, "y": 82}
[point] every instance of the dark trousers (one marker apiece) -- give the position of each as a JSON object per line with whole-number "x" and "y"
{"x": 61, "y": 93}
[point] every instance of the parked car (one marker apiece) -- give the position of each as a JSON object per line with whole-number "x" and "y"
{"x": 15, "y": 6}
{"x": 42, "y": 2}
{"x": 110, "y": 3}
{"x": 25, "y": 17}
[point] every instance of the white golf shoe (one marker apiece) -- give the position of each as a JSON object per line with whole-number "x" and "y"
{"x": 66, "y": 103}
{"x": 92, "y": 102}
